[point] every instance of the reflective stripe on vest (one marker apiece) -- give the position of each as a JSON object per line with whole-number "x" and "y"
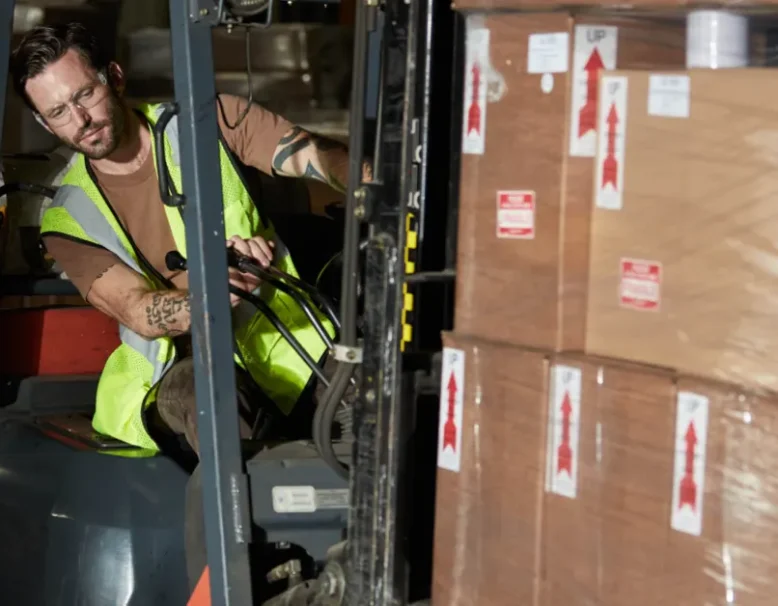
{"x": 133, "y": 371}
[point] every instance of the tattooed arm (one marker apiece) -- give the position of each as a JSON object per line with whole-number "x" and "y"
{"x": 125, "y": 296}
{"x": 303, "y": 154}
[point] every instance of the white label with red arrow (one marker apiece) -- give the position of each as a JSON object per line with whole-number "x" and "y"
{"x": 595, "y": 50}
{"x": 564, "y": 417}
{"x": 476, "y": 70}
{"x": 452, "y": 386}
{"x": 691, "y": 439}
{"x": 611, "y": 142}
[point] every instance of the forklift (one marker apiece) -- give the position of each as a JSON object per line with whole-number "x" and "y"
{"x": 89, "y": 520}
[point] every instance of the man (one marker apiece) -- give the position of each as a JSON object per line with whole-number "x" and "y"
{"x": 109, "y": 231}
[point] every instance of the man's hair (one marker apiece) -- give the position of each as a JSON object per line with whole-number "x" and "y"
{"x": 44, "y": 45}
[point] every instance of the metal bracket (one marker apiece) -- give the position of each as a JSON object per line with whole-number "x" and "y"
{"x": 367, "y": 196}
{"x": 349, "y": 355}
{"x": 206, "y": 11}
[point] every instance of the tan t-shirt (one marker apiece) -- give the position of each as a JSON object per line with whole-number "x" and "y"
{"x": 135, "y": 198}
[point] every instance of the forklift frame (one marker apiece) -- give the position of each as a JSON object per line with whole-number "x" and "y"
{"x": 376, "y": 567}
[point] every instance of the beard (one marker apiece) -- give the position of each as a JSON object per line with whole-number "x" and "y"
{"x": 111, "y": 131}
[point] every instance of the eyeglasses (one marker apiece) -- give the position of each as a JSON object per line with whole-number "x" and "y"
{"x": 85, "y": 98}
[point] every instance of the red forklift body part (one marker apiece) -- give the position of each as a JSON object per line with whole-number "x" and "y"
{"x": 56, "y": 341}
{"x": 201, "y": 596}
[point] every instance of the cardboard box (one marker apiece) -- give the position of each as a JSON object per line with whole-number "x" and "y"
{"x": 682, "y": 267}
{"x": 581, "y": 480}
{"x": 525, "y": 199}
{"x": 490, "y": 478}
{"x": 644, "y": 5}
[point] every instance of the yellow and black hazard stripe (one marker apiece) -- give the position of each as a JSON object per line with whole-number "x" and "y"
{"x": 411, "y": 252}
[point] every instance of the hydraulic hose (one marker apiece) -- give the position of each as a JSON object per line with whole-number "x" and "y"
{"x": 327, "y": 408}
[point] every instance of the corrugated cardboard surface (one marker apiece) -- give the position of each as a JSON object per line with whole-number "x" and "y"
{"x": 488, "y": 526}
{"x": 620, "y": 4}
{"x": 699, "y": 199}
{"x": 613, "y": 544}
{"x": 533, "y": 291}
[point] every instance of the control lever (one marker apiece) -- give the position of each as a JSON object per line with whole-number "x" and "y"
{"x": 175, "y": 261}
{"x": 273, "y": 275}
{"x": 287, "y": 284}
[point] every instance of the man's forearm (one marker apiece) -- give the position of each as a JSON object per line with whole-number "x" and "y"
{"x": 303, "y": 154}
{"x": 165, "y": 314}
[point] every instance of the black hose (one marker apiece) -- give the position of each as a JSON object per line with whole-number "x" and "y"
{"x": 279, "y": 326}
{"x": 277, "y": 278}
{"x": 324, "y": 417}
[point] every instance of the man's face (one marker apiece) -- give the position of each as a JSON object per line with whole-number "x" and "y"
{"x": 78, "y": 105}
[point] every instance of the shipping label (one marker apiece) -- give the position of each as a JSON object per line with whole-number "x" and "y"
{"x": 611, "y": 142}
{"x": 564, "y": 422}
{"x": 516, "y": 214}
{"x": 476, "y": 70}
{"x": 451, "y": 409}
{"x": 691, "y": 440}
{"x": 640, "y": 284}
{"x": 595, "y": 50}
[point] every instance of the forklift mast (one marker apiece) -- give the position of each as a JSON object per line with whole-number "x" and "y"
{"x": 390, "y": 209}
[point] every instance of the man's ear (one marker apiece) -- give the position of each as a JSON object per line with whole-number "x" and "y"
{"x": 116, "y": 77}
{"x": 39, "y": 119}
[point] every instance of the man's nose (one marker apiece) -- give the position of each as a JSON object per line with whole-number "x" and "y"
{"x": 81, "y": 117}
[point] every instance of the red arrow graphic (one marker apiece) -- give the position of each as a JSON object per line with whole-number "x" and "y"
{"x": 450, "y": 428}
{"x": 688, "y": 487}
{"x": 564, "y": 452}
{"x": 610, "y": 167}
{"x": 587, "y": 120}
{"x": 474, "y": 112}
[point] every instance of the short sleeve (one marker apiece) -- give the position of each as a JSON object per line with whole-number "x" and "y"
{"x": 255, "y": 139}
{"x": 81, "y": 262}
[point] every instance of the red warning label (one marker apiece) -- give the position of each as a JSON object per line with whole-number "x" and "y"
{"x": 516, "y": 214}
{"x": 640, "y": 286}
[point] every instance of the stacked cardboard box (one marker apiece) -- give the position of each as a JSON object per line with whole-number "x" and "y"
{"x": 525, "y": 196}
{"x": 574, "y": 480}
{"x": 609, "y": 401}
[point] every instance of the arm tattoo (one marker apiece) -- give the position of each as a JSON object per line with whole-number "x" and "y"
{"x": 317, "y": 149}
{"x": 102, "y": 273}
{"x": 163, "y": 313}
{"x": 285, "y": 140}
{"x": 312, "y": 173}
{"x": 290, "y": 150}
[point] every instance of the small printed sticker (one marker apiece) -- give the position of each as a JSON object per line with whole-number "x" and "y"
{"x": 294, "y": 499}
{"x": 564, "y": 420}
{"x": 640, "y": 286}
{"x": 332, "y": 498}
{"x": 307, "y": 499}
{"x": 548, "y": 53}
{"x": 691, "y": 440}
{"x": 516, "y": 214}
{"x": 595, "y": 51}
{"x": 611, "y": 142}
{"x": 476, "y": 66}
{"x": 669, "y": 96}
{"x": 451, "y": 408}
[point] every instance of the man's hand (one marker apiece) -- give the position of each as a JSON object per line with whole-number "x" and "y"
{"x": 256, "y": 248}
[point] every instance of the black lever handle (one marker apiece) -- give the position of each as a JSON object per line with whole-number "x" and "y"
{"x": 175, "y": 261}
{"x": 283, "y": 281}
{"x": 166, "y": 188}
{"x": 276, "y": 277}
